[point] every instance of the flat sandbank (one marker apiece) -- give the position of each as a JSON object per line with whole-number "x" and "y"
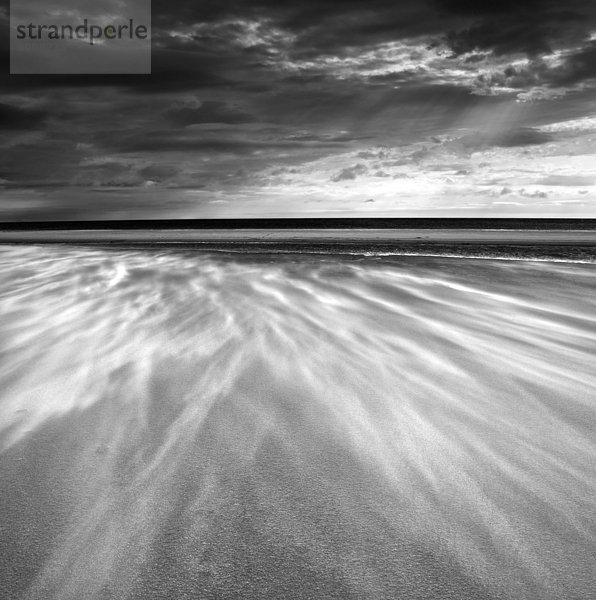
{"x": 483, "y": 236}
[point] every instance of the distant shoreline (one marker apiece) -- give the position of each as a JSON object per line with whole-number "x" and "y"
{"x": 377, "y": 238}
{"x": 513, "y": 224}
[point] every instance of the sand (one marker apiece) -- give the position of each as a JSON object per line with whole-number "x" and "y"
{"x": 322, "y": 235}
{"x": 177, "y": 424}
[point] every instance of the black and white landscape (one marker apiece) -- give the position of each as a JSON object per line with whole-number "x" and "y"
{"x": 307, "y": 313}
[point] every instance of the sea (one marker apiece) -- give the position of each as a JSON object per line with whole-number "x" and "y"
{"x": 268, "y": 421}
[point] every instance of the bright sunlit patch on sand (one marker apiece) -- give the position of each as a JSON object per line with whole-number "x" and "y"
{"x": 181, "y": 424}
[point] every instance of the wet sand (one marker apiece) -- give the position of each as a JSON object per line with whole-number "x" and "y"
{"x": 176, "y": 424}
{"x": 492, "y": 236}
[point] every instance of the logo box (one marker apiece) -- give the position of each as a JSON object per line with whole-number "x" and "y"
{"x": 80, "y": 36}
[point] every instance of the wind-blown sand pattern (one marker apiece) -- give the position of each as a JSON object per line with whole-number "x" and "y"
{"x": 178, "y": 424}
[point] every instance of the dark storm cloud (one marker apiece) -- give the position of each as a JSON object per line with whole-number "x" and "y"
{"x": 39, "y": 162}
{"x": 197, "y": 44}
{"x": 171, "y": 71}
{"x": 580, "y": 66}
{"x": 13, "y": 117}
{"x": 294, "y": 16}
{"x": 330, "y": 25}
{"x": 512, "y": 138}
{"x": 216, "y": 142}
{"x": 304, "y": 29}
{"x": 247, "y": 81}
{"x": 575, "y": 68}
{"x": 39, "y": 204}
{"x": 529, "y": 26}
{"x": 211, "y": 111}
{"x": 310, "y": 31}
{"x": 159, "y": 172}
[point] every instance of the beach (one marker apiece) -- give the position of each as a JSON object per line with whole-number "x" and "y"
{"x": 190, "y": 424}
{"x": 443, "y": 235}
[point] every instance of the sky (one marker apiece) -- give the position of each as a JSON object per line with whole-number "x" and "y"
{"x": 317, "y": 108}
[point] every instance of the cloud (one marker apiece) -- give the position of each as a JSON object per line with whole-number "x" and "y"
{"x": 350, "y": 173}
{"x": 578, "y": 66}
{"x": 567, "y": 180}
{"x": 209, "y": 111}
{"x": 529, "y": 26}
{"x": 55, "y": 204}
{"x": 13, "y": 117}
{"x": 545, "y": 77}
{"x": 252, "y": 97}
{"x": 159, "y": 172}
{"x": 523, "y": 136}
{"x": 584, "y": 124}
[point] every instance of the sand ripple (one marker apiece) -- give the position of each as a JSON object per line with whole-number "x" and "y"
{"x": 177, "y": 424}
